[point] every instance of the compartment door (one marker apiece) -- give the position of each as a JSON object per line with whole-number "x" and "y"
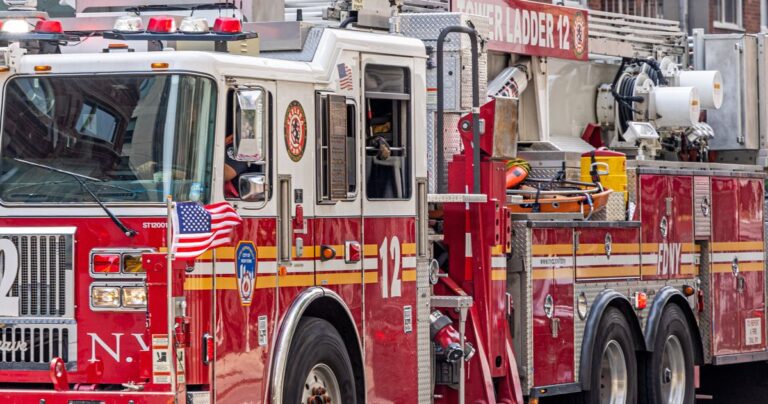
{"x": 726, "y": 323}
{"x": 654, "y": 191}
{"x": 552, "y": 306}
{"x": 751, "y": 275}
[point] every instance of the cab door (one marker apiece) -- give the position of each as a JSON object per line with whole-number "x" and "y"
{"x": 338, "y": 222}
{"x": 242, "y": 276}
{"x": 389, "y": 225}
{"x": 295, "y": 188}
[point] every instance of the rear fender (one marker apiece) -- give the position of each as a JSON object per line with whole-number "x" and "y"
{"x": 606, "y": 298}
{"x": 670, "y": 295}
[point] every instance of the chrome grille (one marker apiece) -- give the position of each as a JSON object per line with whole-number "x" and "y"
{"x": 30, "y": 347}
{"x": 44, "y": 327}
{"x": 41, "y": 283}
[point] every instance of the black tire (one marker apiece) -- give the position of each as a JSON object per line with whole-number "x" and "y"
{"x": 316, "y": 342}
{"x": 614, "y": 335}
{"x": 658, "y": 367}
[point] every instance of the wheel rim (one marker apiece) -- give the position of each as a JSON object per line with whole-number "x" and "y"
{"x": 673, "y": 371}
{"x": 321, "y": 386}
{"x": 613, "y": 375}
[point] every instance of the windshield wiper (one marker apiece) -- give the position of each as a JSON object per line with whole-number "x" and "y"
{"x": 79, "y": 178}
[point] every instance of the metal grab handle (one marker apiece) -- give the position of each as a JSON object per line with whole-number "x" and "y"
{"x": 605, "y": 166}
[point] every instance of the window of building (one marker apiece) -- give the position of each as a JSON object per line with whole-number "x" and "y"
{"x": 763, "y": 15}
{"x": 337, "y": 148}
{"x": 387, "y": 132}
{"x": 641, "y": 8}
{"x": 727, "y": 14}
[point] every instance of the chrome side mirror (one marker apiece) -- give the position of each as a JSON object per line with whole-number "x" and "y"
{"x": 250, "y": 125}
{"x": 253, "y": 187}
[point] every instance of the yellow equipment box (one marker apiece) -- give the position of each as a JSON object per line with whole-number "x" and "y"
{"x": 610, "y": 166}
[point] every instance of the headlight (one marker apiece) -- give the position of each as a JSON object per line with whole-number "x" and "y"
{"x": 105, "y": 297}
{"x": 134, "y": 297}
{"x": 132, "y": 264}
{"x": 581, "y": 306}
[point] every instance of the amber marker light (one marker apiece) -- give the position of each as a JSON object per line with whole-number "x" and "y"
{"x": 159, "y": 65}
{"x": 688, "y": 290}
{"x": 42, "y": 68}
{"x": 327, "y": 253}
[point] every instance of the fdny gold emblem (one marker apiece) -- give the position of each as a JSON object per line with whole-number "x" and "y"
{"x": 295, "y": 130}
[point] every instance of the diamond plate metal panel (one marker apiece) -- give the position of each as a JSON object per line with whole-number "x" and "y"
{"x": 571, "y": 173}
{"x": 702, "y": 220}
{"x": 705, "y": 319}
{"x": 615, "y": 209}
{"x": 593, "y": 289}
{"x": 308, "y": 51}
{"x": 423, "y": 295}
{"x": 457, "y": 83}
{"x": 520, "y": 286}
{"x": 451, "y": 146}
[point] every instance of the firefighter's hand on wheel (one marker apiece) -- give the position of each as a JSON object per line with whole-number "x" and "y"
{"x": 149, "y": 170}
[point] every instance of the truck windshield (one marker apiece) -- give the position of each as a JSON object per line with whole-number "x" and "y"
{"x": 142, "y": 136}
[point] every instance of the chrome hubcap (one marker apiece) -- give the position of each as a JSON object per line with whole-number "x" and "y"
{"x": 321, "y": 386}
{"x": 672, "y": 371}
{"x": 613, "y": 375}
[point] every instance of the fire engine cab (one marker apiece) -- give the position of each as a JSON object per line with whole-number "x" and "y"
{"x": 476, "y": 201}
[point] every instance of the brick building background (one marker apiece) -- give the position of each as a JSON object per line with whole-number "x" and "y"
{"x": 715, "y": 16}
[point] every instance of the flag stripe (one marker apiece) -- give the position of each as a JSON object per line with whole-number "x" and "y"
{"x": 198, "y": 228}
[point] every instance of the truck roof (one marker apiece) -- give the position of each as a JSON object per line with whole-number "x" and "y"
{"x": 314, "y": 63}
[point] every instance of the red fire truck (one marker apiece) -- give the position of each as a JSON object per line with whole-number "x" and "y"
{"x": 382, "y": 256}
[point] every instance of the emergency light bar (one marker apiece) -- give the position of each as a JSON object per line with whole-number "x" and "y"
{"x": 191, "y": 29}
{"x": 16, "y": 30}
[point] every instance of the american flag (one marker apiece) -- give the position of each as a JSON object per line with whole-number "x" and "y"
{"x": 197, "y": 228}
{"x": 345, "y": 77}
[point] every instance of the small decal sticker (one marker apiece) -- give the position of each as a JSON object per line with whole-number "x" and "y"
{"x": 161, "y": 365}
{"x": 752, "y": 328}
{"x": 262, "y": 330}
{"x": 180, "y": 368}
{"x": 245, "y": 265}
{"x": 608, "y": 245}
{"x": 345, "y": 77}
{"x": 295, "y": 130}
{"x": 407, "y": 319}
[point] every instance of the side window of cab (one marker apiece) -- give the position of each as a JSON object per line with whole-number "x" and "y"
{"x": 336, "y": 149}
{"x": 387, "y": 132}
{"x": 246, "y": 163}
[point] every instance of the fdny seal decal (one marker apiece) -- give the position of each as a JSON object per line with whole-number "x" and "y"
{"x": 295, "y": 130}
{"x": 245, "y": 266}
{"x": 579, "y": 34}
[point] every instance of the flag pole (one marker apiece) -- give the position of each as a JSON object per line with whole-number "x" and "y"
{"x": 169, "y": 287}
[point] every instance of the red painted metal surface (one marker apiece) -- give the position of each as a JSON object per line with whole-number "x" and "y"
{"x": 390, "y": 351}
{"x": 241, "y": 363}
{"x": 752, "y": 295}
{"x": 666, "y": 215}
{"x": 726, "y": 330}
{"x": 738, "y": 268}
{"x": 531, "y": 28}
{"x": 553, "y": 276}
{"x": 678, "y": 251}
{"x": 607, "y": 253}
